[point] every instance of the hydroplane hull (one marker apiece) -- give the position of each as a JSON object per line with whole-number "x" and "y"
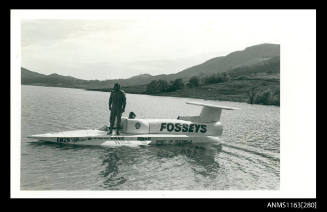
{"x": 203, "y": 129}
{"x": 98, "y": 137}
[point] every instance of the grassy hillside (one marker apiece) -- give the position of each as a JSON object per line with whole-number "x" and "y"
{"x": 255, "y": 84}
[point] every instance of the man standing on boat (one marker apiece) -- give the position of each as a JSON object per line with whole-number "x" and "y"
{"x": 117, "y": 103}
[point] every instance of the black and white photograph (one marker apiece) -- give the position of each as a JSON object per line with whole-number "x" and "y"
{"x": 180, "y": 103}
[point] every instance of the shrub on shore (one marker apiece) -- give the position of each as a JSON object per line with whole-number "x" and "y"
{"x": 216, "y": 78}
{"x": 159, "y": 86}
{"x": 175, "y": 85}
{"x": 193, "y": 82}
{"x": 264, "y": 97}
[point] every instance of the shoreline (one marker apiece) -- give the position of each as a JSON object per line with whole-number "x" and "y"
{"x": 233, "y": 91}
{"x": 196, "y": 93}
{"x": 209, "y": 92}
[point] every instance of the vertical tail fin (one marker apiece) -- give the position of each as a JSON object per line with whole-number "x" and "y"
{"x": 211, "y": 113}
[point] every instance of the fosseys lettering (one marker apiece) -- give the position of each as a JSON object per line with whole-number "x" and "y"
{"x": 178, "y": 127}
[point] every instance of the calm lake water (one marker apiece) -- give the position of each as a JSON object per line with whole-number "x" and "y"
{"x": 248, "y": 160}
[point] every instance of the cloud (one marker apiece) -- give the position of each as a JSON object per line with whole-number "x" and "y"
{"x": 83, "y": 48}
{"x": 45, "y": 31}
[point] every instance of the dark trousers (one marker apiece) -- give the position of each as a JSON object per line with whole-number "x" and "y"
{"x": 113, "y": 115}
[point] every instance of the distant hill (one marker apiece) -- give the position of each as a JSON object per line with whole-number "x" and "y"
{"x": 256, "y": 59}
{"x": 269, "y": 66}
{"x": 28, "y": 76}
{"x": 33, "y": 78}
{"x": 249, "y": 56}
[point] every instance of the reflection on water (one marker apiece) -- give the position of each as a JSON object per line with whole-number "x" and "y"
{"x": 199, "y": 155}
{"x": 111, "y": 171}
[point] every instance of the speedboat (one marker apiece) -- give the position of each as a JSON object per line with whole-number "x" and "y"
{"x": 202, "y": 129}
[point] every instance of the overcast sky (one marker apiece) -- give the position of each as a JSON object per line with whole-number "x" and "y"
{"x": 124, "y": 46}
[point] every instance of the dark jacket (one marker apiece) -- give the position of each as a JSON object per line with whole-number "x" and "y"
{"x": 117, "y": 100}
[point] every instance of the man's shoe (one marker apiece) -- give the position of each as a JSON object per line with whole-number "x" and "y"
{"x": 117, "y": 133}
{"x": 109, "y": 133}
